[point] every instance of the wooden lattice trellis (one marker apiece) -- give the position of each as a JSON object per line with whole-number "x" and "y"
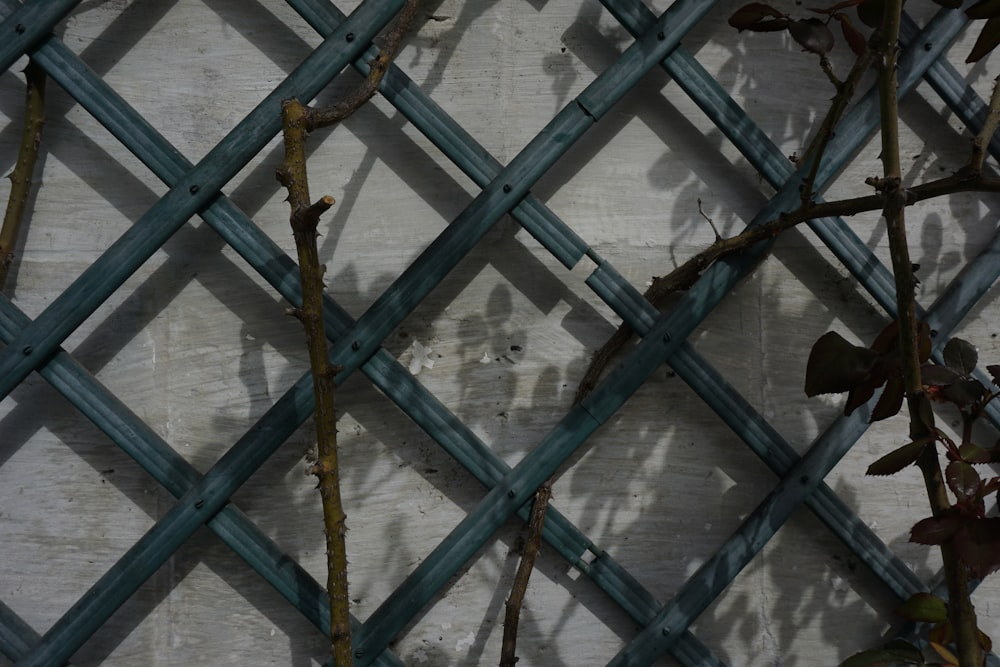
{"x": 358, "y": 345}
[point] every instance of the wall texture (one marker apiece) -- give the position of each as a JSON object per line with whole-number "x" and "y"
{"x": 198, "y": 346}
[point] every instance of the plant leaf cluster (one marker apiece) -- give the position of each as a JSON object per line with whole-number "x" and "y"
{"x": 836, "y": 365}
{"x": 920, "y": 608}
{"x": 814, "y": 35}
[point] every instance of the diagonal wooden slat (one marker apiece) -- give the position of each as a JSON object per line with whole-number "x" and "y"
{"x": 35, "y": 345}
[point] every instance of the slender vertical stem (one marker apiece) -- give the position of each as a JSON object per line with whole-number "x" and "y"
{"x": 532, "y": 545}
{"x": 305, "y": 221}
{"x": 20, "y": 177}
{"x": 960, "y": 609}
{"x": 297, "y": 121}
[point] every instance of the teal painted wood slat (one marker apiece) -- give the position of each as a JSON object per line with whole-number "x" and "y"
{"x": 460, "y": 147}
{"x": 199, "y": 504}
{"x": 502, "y": 194}
{"x": 652, "y": 641}
{"x": 471, "y": 533}
{"x": 764, "y": 440}
{"x": 388, "y": 375}
{"x": 197, "y": 189}
{"x": 16, "y": 636}
{"x": 718, "y": 571}
{"x": 770, "y": 162}
{"x": 25, "y": 25}
{"x": 177, "y": 476}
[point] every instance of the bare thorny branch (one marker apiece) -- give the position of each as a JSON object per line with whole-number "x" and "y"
{"x": 967, "y": 179}
{"x": 297, "y": 121}
{"x": 20, "y": 177}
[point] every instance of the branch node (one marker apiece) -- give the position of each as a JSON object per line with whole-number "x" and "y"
{"x": 712, "y": 224}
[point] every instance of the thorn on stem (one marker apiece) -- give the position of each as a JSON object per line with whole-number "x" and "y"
{"x": 702, "y": 212}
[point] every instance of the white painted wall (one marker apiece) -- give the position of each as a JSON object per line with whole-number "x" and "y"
{"x": 200, "y": 348}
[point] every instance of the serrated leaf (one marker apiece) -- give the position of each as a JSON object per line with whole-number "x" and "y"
{"x": 960, "y": 356}
{"x": 755, "y": 14}
{"x": 935, "y": 529}
{"x": 898, "y": 459}
{"x": 924, "y": 608}
{"x": 812, "y": 34}
{"x": 971, "y": 453}
{"x": 994, "y": 372}
{"x": 859, "y": 396}
{"x": 964, "y": 393}
{"x": 963, "y": 480}
{"x": 933, "y": 375}
{"x": 887, "y": 339}
{"x": 836, "y": 365}
{"x": 987, "y": 41}
{"x": 896, "y": 652}
{"x": 890, "y": 401}
{"x": 977, "y": 545}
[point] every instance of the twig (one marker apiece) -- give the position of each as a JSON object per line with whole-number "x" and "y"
{"x": 687, "y": 273}
{"x": 981, "y": 143}
{"x": 20, "y": 177}
{"x": 711, "y": 223}
{"x": 845, "y": 92}
{"x": 532, "y": 544}
{"x": 297, "y": 121}
{"x": 960, "y": 610}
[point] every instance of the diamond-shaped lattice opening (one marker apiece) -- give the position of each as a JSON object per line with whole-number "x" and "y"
{"x": 195, "y": 303}
{"x": 803, "y": 586}
{"x": 73, "y": 515}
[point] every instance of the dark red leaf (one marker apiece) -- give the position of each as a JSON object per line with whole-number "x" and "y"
{"x": 852, "y": 36}
{"x": 898, "y": 459}
{"x": 977, "y": 545}
{"x": 964, "y": 393}
{"x": 971, "y": 453}
{"x": 987, "y": 41}
{"x": 890, "y": 401}
{"x": 755, "y": 14}
{"x": 924, "y": 608}
{"x": 870, "y": 12}
{"x": 937, "y": 376}
{"x": 935, "y": 529}
{"x": 963, "y": 480}
{"x": 836, "y": 365}
{"x": 833, "y": 9}
{"x": 960, "y": 356}
{"x": 858, "y": 397}
{"x": 812, "y": 34}
{"x": 984, "y": 9}
{"x": 887, "y": 339}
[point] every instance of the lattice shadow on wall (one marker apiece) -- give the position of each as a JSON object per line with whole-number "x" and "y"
{"x": 34, "y": 345}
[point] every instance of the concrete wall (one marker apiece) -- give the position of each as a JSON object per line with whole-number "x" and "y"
{"x": 199, "y": 347}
